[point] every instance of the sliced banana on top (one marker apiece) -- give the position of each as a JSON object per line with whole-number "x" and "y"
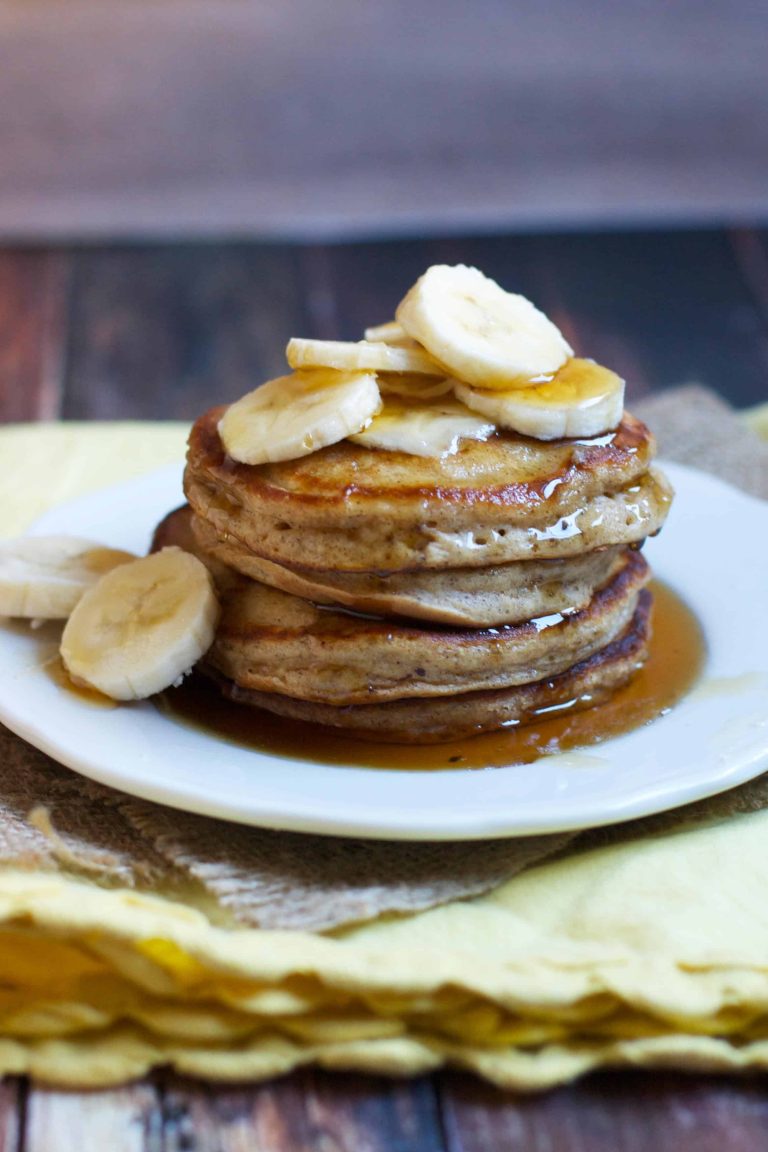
{"x": 435, "y": 429}
{"x": 487, "y": 337}
{"x": 43, "y": 577}
{"x": 363, "y": 356}
{"x": 583, "y": 399}
{"x": 142, "y": 626}
{"x": 292, "y": 416}
{"x": 456, "y": 330}
{"x": 390, "y": 333}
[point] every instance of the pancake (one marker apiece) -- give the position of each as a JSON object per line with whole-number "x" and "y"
{"x": 500, "y": 594}
{"x": 348, "y": 508}
{"x": 271, "y": 641}
{"x": 448, "y": 718}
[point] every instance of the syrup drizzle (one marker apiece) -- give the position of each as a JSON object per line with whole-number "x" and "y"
{"x": 676, "y": 658}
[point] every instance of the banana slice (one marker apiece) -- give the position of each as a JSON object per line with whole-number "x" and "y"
{"x": 363, "y": 356}
{"x": 423, "y": 429}
{"x": 487, "y": 337}
{"x": 294, "y": 415}
{"x": 390, "y": 333}
{"x": 583, "y": 399}
{"x": 43, "y": 577}
{"x": 413, "y": 386}
{"x": 142, "y": 626}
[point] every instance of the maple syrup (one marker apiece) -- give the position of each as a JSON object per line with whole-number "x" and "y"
{"x": 676, "y": 656}
{"x": 55, "y": 670}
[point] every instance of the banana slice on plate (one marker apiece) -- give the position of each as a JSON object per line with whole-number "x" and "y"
{"x": 413, "y": 386}
{"x": 390, "y": 333}
{"x": 294, "y": 415}
{"x": 143, "y": 626}
{"x": 583, "y": 399}
{"x": 43, "y": 577}
{"x": 487, "y": 337}
{"x": 363, "y": 356}
{"x": 435, "y": 429}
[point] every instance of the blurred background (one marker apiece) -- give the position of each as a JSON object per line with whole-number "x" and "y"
{"x": 344, "y": 118}
{"x": 184, "y": 184}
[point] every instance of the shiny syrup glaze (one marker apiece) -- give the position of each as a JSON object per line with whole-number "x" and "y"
{"x": 55, "y": 670}
{"x": 574, "y": 376}
{"x": 676, "y": 658}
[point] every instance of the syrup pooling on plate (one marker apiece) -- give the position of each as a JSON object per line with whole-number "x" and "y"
{"x": 676, "y": 657}
{"x": 56, "y": 672}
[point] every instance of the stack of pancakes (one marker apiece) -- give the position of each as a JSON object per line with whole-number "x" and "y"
{"x": 416, "y": 599}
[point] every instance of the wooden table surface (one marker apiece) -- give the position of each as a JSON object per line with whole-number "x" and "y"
{"x": 164, "y": 331}
{"x": 197, "y": 117}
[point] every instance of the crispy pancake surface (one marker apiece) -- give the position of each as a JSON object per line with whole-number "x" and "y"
{"x": 354, "y": 509}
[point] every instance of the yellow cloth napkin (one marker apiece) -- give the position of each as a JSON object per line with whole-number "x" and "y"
{"x": 72, "y": 459}
{"x": 757, "y": 420}
{"x": 648, "y": 952}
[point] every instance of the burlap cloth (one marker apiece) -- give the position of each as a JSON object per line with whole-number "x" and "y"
{"x": 55, "y": 824}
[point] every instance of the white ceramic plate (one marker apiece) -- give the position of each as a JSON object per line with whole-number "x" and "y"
{"x": 713, "y": 551}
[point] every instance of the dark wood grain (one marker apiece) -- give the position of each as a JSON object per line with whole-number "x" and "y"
{"x": 12, "y": 1102}
{"x": 162, "y": 332}
{"x": 307, "y": 1112}
{"x": 355, "y": 286}
{"x": 612, "y": 1112}
{"x": 196, "y": 116}
{"x": 750, "y": 247}
{"x": 167, "y": 332}
{"x": 660, "y": 308}
{"x": 33, "y": 308}
{"x": 118, "y": 1120}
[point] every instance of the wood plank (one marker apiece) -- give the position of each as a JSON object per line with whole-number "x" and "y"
{"x": 353, "y": 286}
{"x": 360, "y": 1113}
{"x": 662, "y": 308}
{"x": 33, "y": 307}
{"x": 12, "y": 1100}
{"x": 188, "y": 116}
{"x": 613, "y": 1112}
{"x": 306, "y": 1112}
{"x": 168, "y": 331}
{"x": 118, "y": 1120}
{"x": 750, "y": 246}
